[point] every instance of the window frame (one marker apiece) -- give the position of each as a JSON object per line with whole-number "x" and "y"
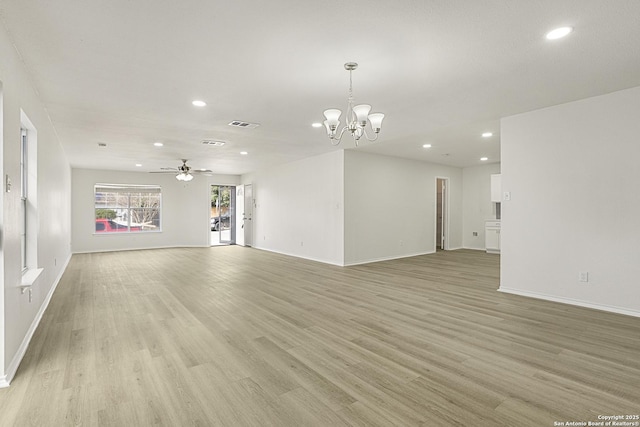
{"x": 127, "y": 191}
{"x": 24, "y": 197}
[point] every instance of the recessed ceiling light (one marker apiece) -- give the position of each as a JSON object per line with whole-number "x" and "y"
{"x": 316, "y": 125}
{"x": 559, "y": 33}
{"x": 484, "y": 159}
{"x": 426, "y": 146}
{"x": 244, "y": 153}
{"x": 139, "y": 165}
{"x": 198, "y": 103}
{"x": 158, "y": 144}
{"x": 487, "y": 134}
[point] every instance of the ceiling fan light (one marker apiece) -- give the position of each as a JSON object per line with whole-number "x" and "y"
{"x": 362, "y": 111}
{"x": 187, "y": 177}
{"x": 376, "y": 121}
{"x": 180, "y": 176}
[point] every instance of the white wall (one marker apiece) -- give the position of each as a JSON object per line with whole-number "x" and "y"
{"x": 185, "y": 212}
{"x": 299, "y": 208}
{"x": 476, "y": 203}
{"x": 390, "y": 207}
{"x": 20, "y": 316}
{"x": 573, "y": 174}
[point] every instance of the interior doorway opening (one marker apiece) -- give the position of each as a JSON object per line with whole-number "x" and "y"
{"x": 222, "y": 224}
{"x": 442, "y": 212}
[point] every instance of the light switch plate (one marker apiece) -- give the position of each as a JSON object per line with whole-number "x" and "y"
{"x": 507, "y": 196}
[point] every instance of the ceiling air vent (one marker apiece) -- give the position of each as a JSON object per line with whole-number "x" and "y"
{"x": 246, "y": 125}
{"x": 213, "y": 142}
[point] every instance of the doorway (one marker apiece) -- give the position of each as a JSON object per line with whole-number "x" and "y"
{"x": 247, "y": 216}
{"x": 223, "y": 201}
{"x": 442, "y": 212}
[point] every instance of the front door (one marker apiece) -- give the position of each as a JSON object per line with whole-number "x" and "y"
{"x": 248, "y": 215}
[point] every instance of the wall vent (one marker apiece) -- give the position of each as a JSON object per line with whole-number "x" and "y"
{"x": 213, "y": 142}
{"x": 246, "y": 125}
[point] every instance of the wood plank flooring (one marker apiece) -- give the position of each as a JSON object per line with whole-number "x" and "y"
{"x": 233, "y": 336}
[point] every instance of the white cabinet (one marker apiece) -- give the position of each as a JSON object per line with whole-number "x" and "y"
{"x": 492, "y": 236}
{"x": 496, "y": 187}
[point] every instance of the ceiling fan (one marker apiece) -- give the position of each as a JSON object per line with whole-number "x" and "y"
{"x": 183, "y": 172}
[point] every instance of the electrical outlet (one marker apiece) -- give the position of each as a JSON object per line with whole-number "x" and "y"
{"x": 583, "y": 276}
{"x": 301, "y": 243}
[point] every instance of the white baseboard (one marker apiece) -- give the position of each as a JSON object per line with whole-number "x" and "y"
{"x": 571, "y": 301}
{"x": 369, "y": 261}
{"x": 15, "y": 362}
{"x": 97, "y": 251}
{"x": 296, "y": 255}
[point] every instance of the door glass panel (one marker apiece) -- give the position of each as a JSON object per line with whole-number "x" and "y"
{"x": 222, "y": 215}
{"x": 225, "y": 214}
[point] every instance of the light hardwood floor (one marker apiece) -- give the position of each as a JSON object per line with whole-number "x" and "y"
{"x": 234, "y": 336}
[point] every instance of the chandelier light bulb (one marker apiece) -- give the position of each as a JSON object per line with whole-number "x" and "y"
{"x": 362, "y": 112}
{"x": 376, "y": 121}
{"x": 333, "y": 116}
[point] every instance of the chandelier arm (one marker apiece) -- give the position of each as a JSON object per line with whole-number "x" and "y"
{"x": 364, "y": 131}
{"x": 338, "y": 140}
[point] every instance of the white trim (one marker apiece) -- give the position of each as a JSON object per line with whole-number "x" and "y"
{"x": 97, "y": 251}
{"x": 366, "y": 261}
{"x": 446, "y": 218}
{"x": 293, "y": 255}
{"x": 571, "y": 301}
{"x": 15, "y": 362}
{"x": 369, "y": 261}
{"x": 30, "y": 276}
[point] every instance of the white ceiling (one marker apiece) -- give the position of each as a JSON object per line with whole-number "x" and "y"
{"x": 124, "y": 73}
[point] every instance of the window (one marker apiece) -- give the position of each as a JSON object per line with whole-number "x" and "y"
{"x": 28, "y": 220}
{"x": 24, "y": 194}
{"x": 123, "y": 208}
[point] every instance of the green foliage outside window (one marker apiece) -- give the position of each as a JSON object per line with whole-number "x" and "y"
{"x": 105, "y": 213}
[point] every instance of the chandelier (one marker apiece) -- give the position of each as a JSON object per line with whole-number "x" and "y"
{"x": 356, "y": 117}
